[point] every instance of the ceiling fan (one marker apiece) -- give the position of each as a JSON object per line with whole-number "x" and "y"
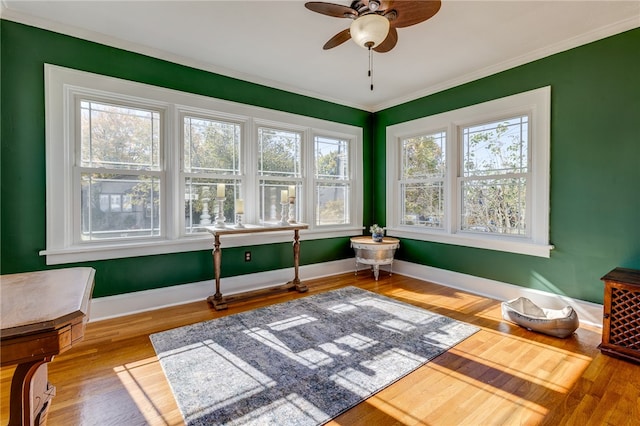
{"x": 375, "y": 21}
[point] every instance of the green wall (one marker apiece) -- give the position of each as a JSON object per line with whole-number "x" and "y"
{"x": 595, "y": 168}
{"x": 595, "y": 163}
{"x": 24, "y": 51}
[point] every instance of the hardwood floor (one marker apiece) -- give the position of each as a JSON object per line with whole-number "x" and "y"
{"x": 502, "y": 375}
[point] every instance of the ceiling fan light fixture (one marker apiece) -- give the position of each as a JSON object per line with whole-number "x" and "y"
{"x": 369, "y": 30}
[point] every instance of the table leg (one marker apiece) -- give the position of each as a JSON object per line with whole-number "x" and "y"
{"x": 20, "y": 398}
{"x": 302, "y": 288}
{"x": 217, "y": 300}
{"x": 376, "y": 271}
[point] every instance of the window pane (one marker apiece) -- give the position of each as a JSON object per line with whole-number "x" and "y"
{"x": 119, "y": 206}
{"x": 494, "y": 205}
{"x": 423, "y": 204}
{"x": 272, "y": 195}
{"x": 332, "y": 204}
{"x": 211, "y": 146}
{"x": 499, "y": 147}
{"x": 119, "y": 136}
{"x": 424, "y": 156}
{"x": 201, "y": 203}
{"x": 279, "y": 152}
{"x": 332, "y": 158}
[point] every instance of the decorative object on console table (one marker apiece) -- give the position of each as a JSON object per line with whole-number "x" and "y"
{"x": 621, "y": 322}
{"x": 292, "y": 210}
{"x": 377, "y": 232}
{"x": 292, "y": 204}
{"x": 220, "y": 302}
{"x": 239, "y": 212}
{"x": 284, "y": 203}
{"x": 42, "y": 314}
{"x": 205, "y": 218}
{"x": 375, "y": 253}
{"x": 220, "y": 196}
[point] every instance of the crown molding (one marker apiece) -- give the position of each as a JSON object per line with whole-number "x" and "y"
{"x": 568, "y": 44}
{"x": 81, "y": 33}
{"x": 580, "y": 40}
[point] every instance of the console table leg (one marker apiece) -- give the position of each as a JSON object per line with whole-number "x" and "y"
{"x": 217, "y": 301}
{"x": 302, "y": 288}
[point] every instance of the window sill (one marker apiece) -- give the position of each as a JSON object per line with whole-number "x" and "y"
{"x": 471, "y": 240}
{"x": 117, "y": 250}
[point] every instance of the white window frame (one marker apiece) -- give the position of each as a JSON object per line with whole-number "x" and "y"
{"x": 63, "y": 84}
{"x": 182, "y": 112}
{"x": 537, "y": 105}
{"x": 74, "y": 115}
{"x": 304, "y": 140}
{"x": 314, "y": 181}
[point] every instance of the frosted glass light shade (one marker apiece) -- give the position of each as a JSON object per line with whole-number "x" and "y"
{"x": 369, "y": 30}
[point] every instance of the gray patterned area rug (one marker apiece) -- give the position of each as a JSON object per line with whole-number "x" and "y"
{"x": 301, "y": 362}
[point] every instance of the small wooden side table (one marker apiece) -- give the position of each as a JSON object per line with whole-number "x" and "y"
{"x": 621, "y": 322}
{"x": 43, "y": 314}
{"x": 369, "y": 252}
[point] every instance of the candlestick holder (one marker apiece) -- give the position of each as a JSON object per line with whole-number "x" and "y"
{"x": 220, "y": 215}
{"x": 292, "y": 209}
{"x": 283, "y": 215}
{"x": 239, "y": 221}
{"x": 205, "y": 218}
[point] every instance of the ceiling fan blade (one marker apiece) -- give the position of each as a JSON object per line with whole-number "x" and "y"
{"x": 411, "y": 12}
{"x": 330, "y": 9}
{"x": 337, "y": 39}
{"x": 389, "y": 42}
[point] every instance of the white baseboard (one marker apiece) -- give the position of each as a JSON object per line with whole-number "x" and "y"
{"x": 130, "y": 303}
{"x": 588, "y": 312}
{"x": 141, "y": 301}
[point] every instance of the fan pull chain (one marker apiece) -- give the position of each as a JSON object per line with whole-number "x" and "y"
{"x": 371, "y": 67}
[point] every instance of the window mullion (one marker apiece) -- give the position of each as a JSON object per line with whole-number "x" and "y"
{"x": 452, "y": 188}
{"x": 171, "y": 144}
{"x": 306, "y": 201}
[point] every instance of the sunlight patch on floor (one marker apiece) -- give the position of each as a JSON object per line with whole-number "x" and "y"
{"x": 134, "y": 377}
{"x": 527, "y": 367}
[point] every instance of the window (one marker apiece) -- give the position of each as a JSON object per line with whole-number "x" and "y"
{"x": 135, "y": 170}
{"x": 495, "y": 177}
{"x": 332, "y": 181}
{"x": 119, "y": 168}
{"x": 477, "y": 176}
{"x": 279, "y": 172}
{"x": 211, "y": 170}
{"x": 422, "y": 180}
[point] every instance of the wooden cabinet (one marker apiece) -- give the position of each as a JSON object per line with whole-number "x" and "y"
{"x": 621, "y": 323}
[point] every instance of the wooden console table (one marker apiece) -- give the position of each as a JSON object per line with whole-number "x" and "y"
{"x": 220, "y": 302}
{"x": 374, "y": 253}
{"x": 43, "y": 314}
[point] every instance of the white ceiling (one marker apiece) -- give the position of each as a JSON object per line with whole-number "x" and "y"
{"x": 279, "y": 43}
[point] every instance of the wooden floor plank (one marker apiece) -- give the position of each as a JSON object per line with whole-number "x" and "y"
{"x": 502, "y": 375}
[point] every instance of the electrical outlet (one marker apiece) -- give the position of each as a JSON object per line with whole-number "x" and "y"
{"x": 247, "y": 256}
